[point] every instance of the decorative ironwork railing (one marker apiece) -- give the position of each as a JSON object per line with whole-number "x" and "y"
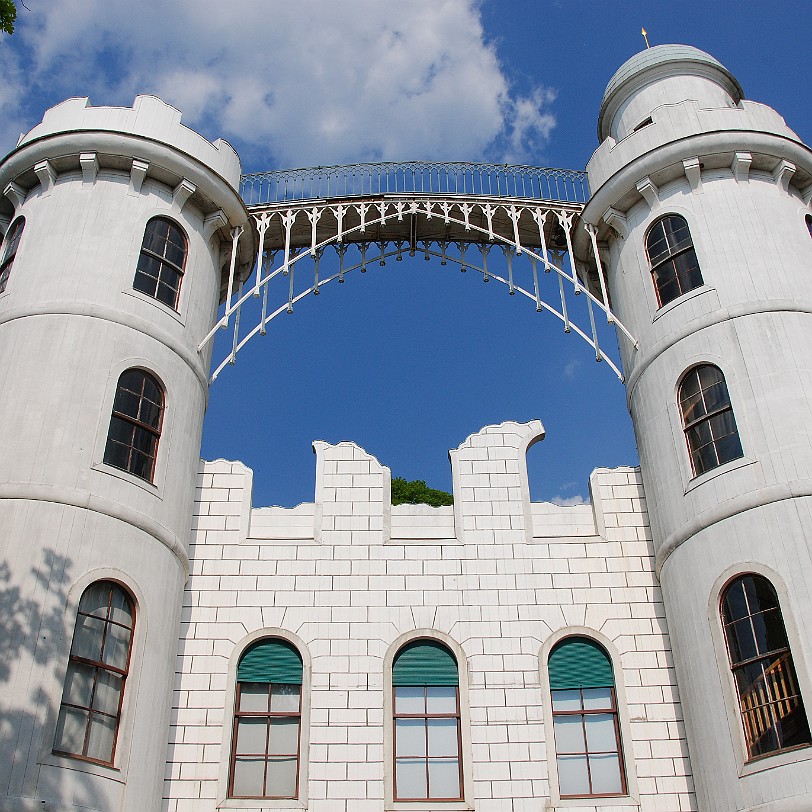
{"x": 415, "y": 177}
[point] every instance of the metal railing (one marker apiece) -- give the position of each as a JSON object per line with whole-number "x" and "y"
{"x": 414, "y": 177}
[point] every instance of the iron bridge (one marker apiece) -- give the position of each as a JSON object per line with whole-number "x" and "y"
{"x": 366, "y": 214}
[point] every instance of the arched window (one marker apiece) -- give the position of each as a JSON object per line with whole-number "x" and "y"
{"x": 707, "y": 419}
{"x": 674, "y": 266}
{"x": 588, "y": 751}
{"x": 10, "y": 245}
{"x": 772, "y": 711}
{"x": 427, "y": 730}
{"x": 266, "y": 740}
{"x": 90, "y": 712}
{"x": 162, "y": 261}
{"x": 135, "y": 425}
{"x": 809, "y": 224}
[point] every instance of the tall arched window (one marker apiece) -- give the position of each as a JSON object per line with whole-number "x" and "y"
{"x": 90, "y": 712}
{"x": 671, "y": 255}
{"x": 586, "y": 729}
{"x": 266, "y": 740}
{"x": 427, "y": 730}
{"x": 162, "y": 261}
{"x": 707, "y": 419}
{"x": 10, "y": 245}
{"x": 135, "y": 425}
{"x": 770, "y": 704}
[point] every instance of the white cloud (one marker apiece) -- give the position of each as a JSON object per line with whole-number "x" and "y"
{"x": 290, "y": 84}
{"x": 569, "y": 501}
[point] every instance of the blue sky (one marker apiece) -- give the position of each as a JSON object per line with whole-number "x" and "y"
{"x": 409, "y": 359}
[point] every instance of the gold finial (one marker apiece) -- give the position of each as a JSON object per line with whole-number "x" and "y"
{"x": 645, "y": 36}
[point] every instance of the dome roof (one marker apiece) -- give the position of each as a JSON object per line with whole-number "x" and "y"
{"x": 653, "y": 58}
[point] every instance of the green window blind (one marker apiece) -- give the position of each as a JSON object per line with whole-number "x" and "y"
{"x": 579, "y": 663}
{"x": 424, "y": 662}
{"x": 271, "y": 661}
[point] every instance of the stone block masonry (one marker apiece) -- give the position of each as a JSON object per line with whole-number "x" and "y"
{"x": 502, "y": 578}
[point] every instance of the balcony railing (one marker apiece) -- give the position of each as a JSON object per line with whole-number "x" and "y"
{"x": 415, "y": 178}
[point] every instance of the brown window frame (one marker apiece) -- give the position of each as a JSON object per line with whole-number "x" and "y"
{"x": 99, "y": 666}
{"x": 268, "y": 715}
{"x": 712, "y": 418}
{"x": 778, "y": 686}
{"x": 583, "y": 713}
{"x": 151, "y": 284}
{"x": 11, "y": 244}
{"x": 426, "y": 716}
{"x": 139, "y": 428}
{"x": 674, "y": 250}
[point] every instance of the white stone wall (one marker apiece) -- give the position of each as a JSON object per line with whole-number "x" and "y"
{"x": 347, "y": 576}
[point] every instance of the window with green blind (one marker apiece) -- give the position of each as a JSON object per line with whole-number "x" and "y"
{"x": 586, "y": 728}
{"x": 427, "y": 731}
{"x": 266, "y": 740}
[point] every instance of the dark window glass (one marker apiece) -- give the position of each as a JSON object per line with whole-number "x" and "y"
{"x": 427, "y": 731}
{"x": 90, "y": 711}
{"x": 135, "y": 425}
{"x": 809, "y": 224}
{"x": 770, "y": 704}
{"x": 10, "y": 245}
{"x": 266, "y": 738}
{"x": 707, "y": 418}
{"x": 586, "y": 729}
{"x": 162, "y": 261}
{"x": 674, "y": 266}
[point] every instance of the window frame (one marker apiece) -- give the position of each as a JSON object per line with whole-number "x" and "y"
{"x": 97, "y": 666}
{"x": 9, "y": 248}
{"x": 785, "y": 652}
{"x": 164, "y": 263}
{"x": 670, "y": 256}
{"x": 689, "y": 426}
{"x": 153, "y": 432}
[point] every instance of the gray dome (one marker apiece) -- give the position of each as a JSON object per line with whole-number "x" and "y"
{"x": 659, "y": 55}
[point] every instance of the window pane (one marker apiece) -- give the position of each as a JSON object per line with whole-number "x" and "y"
{"x": 102, "y": 737}
{"x": 79, "y": 684}
{"x": 441, "y": 699}
{"x": 600, "y": 733}
{"x": 410, "y": 776}
{"x": 87, "y": 639}
{"x": 444, "y": 778}
{"x": 284, "y": 737}
{"x": 573, "y": 778}
{"x": 285, "y": 698}
{"x": 116, "y": 646}
{"x": 605, "y": 773}
{"x": 566, "y": 700}
{"x": 410, "y": 737}
{"x": 409, "y": 699}
{"x": 740, "y": 638}
{"x": 253, "y": 697}
{"x": 252, "y": 735}
{"x": 120, "y": 608}
{"x": 281, "y": 778}
{"x": 735, "y": 605}
{"x": 95, "y": 599}
{"x": 248, "y": 777}
{"x": 443, "y": 737}
{"x": 598, "y": 698}
{"x": 70, "y": 730}
{"x": 108, "y": 691}
{"x": 569, "y": 734}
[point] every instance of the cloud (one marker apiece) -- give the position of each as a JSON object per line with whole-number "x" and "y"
{"x": 571, "y": 368}
{"x": 569, "y": 501}
{"x": 289, "y": 84}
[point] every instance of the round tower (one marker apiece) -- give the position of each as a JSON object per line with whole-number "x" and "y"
{"x": 701, "y": 199}
{"x": 118, "y": 228}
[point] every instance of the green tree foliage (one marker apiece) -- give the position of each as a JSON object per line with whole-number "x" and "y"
{"x": 416, "y": 493}
{"x": 8, "y": 14}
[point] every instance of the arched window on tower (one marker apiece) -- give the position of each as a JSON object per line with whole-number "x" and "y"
{"x": 674, "y": 266}
{"x": 9, "y": 252}
{"x": 266, "y": 739}
{"x": 90, "y": 712}
{"x": 589, "y": 756}
{"x": 770, "y": 704}
{"x": 135, "y": 425}
{"x": 427, "y": 730}
{"x": 708, "y": 419}
{"x": 162, "y": 261}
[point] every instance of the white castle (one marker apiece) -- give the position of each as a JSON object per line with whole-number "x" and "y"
{"x": 164, "y": 645}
